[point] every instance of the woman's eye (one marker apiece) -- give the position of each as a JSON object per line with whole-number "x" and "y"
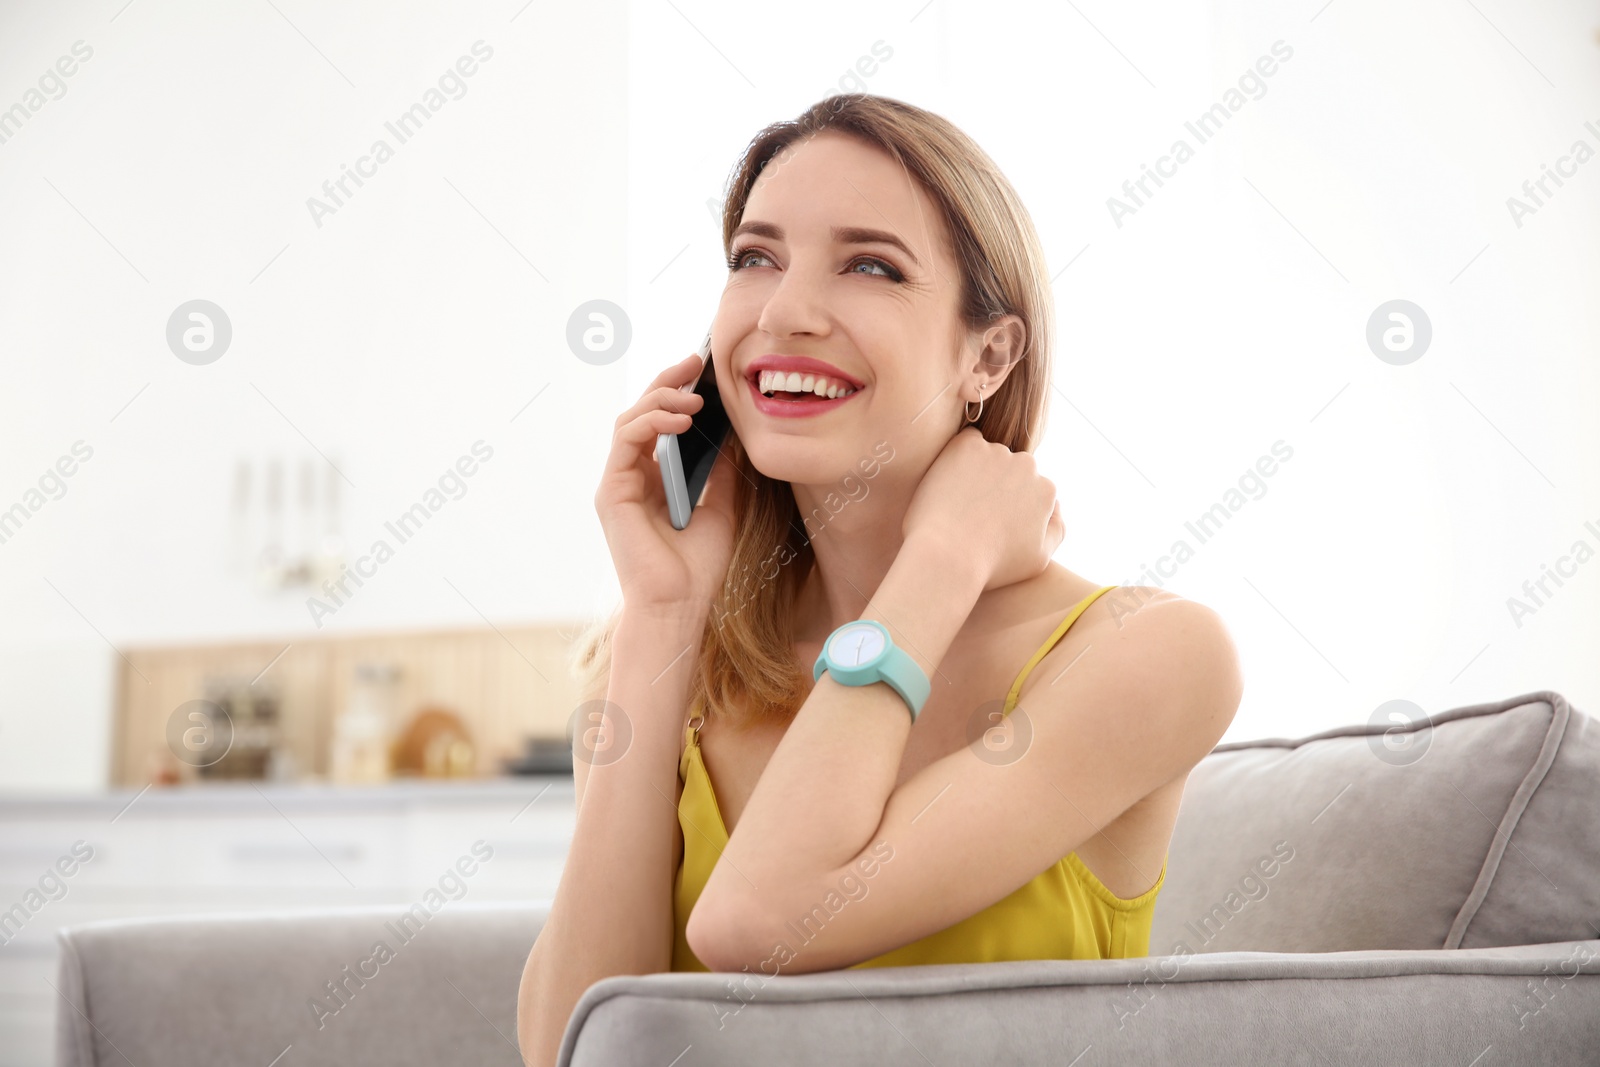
{"x": 888, "y": 271}
{"x": 739, "y": 260}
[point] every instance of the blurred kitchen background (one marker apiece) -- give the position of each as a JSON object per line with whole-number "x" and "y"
{"x": 225, "y": 381}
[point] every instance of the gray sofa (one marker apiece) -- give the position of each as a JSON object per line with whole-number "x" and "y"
{"x": 1425, "y": 893}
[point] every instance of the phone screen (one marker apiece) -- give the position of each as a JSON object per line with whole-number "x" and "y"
{"x": 698, "y": 445}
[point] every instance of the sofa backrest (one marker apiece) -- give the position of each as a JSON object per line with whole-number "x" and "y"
{"x": 1472, "y": 828}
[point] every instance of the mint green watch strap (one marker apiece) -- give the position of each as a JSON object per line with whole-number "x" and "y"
{"x": 890, "y": 665}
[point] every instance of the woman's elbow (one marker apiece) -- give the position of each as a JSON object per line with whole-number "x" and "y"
{"x": 725, "y": 935}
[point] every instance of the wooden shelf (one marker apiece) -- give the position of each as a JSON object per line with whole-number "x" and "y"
{"x": 506, "y": 684}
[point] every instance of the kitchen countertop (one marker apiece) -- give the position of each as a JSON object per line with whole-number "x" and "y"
{"x": 231, "y": 797}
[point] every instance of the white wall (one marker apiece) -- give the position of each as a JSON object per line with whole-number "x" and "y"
{"x": 1378, "y": 560}
{"x": 1226, "y": 314}
{"x": 391, "y": 338}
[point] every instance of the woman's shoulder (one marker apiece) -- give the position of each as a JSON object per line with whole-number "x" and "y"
{"x": 1158, "y": 616}
{"x": 1139, "y": 627}
{"x": 1056, "y": 592}
{"x": 1144, "y": 626}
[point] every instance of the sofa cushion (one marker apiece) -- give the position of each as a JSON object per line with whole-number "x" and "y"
{"x": 1470, "y": 828}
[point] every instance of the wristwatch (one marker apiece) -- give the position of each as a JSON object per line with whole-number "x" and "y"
{"x": 862, "y": 652}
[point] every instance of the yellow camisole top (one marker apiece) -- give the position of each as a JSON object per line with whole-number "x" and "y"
{"x": 1063, "y": 913}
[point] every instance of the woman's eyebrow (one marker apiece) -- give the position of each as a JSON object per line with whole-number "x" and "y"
{"x": 855, "y": 235}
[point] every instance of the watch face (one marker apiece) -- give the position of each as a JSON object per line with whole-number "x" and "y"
{"x": 856, "y": 644}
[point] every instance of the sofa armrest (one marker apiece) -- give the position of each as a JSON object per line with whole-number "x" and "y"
{"x": 1534, "y": 1004}
{"x": 243, "y": 989}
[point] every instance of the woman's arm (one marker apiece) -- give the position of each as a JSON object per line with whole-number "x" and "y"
{"x": 845, "y": 866}
{"x": 819, "y": 802}
{"x": 612, "y": 912}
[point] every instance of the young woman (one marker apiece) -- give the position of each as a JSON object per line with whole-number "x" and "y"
{"x": 1001, "y": 779}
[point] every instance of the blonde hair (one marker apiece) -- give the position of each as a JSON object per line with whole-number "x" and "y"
{"x": 747, "y": 668}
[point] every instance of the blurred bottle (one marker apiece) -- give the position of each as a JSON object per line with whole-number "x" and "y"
{"x": 363, "y": 731}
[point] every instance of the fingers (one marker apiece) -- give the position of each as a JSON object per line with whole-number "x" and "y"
{"x": 631, "y": 441}
{"x": 665, "y": 407}
{"x": 671, "y": 397}
{"x": 684, "y": 370}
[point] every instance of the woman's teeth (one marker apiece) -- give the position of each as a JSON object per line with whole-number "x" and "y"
{"x": 805, "y": 385}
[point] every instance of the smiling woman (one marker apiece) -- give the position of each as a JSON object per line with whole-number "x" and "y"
{"x": 1007, "y": 754}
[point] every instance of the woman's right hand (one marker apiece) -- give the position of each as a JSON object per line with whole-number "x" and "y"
{"x": 664, "y": 571}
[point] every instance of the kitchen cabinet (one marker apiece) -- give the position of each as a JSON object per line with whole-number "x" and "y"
{"x": 240, "y": 846}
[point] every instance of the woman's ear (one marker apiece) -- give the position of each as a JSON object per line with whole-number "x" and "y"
{"x": 1003, "y": 345}
{"x": 999, "y": 348}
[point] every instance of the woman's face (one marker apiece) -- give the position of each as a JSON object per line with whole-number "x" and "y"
{"x": 885, "y": 316}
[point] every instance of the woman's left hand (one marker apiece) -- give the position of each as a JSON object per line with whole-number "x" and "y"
{"x": 988, "y": 504}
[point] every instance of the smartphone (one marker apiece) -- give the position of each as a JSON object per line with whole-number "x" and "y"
{"x": 686, "y": 457}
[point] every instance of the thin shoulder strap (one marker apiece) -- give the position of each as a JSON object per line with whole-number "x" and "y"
{"x": 691, "y": 739}
{"x": 1044, "y": 649}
